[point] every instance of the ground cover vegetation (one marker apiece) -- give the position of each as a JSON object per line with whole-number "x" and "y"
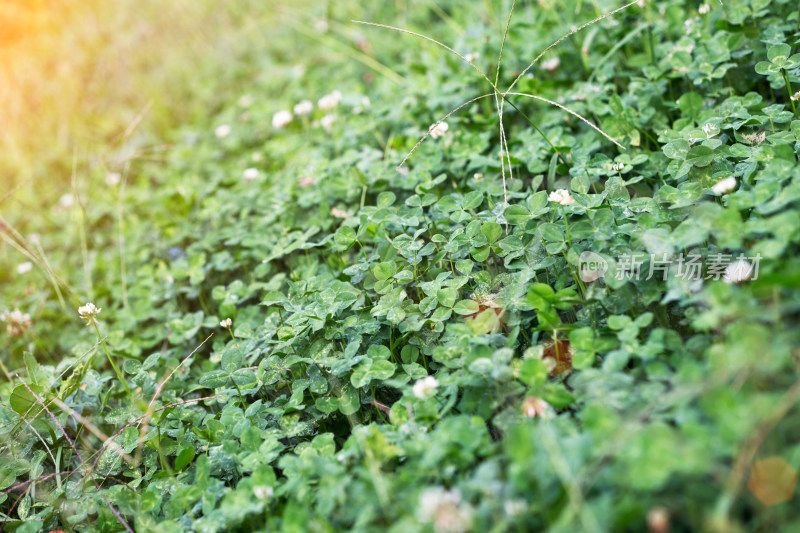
{"x": 244, "y": 314}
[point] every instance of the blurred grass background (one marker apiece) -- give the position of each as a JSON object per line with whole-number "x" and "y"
{"x": 89, "y": 87}
{"x": 75, "y": 75}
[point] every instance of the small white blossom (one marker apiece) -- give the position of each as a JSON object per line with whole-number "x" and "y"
{"x": 796, "y": 96}
{"x": 340, "y": 213}
{"x": 250, "y": 174}
{"x": 227, "y": 323}
{"x": 618, "y": 167}
{"x": 17, "y": 322}
{"x": 66, "y": 201}
{"x": 725, "y": 185}
{"x": 755, "y": 138}
{"x": 330, "y": 101}
{"x": 304, "y": 108}
{"x": 533, "y": 407}
{"x": 514, "y": 507}
{"x": 281, "y": 119}
{"x": 445, "y": 510}
{"x": 24, "y": 268}
{"x": 472, "y": 57}
{"x": 561, "y": 196}
{"x": 658, "y": 520}
{"x": 89, "y": 313}
{"x": 551, "y": 65}
{"x": 222, "y": 131}
{"x": 738, "y": 271}
{"x": 327, "y": 122}
{"x": 425, "y": 387}
{"x": 262, "y": 492}
{"x": 113, "y": 179}
{"x": 704, "y": 9}
{"x": 439, "y": 130}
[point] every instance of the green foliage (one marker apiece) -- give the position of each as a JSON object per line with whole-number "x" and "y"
{"x": 405, "y": 346}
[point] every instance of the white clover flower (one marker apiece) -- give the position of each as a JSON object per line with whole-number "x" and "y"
{"x": 472, "y": 57}
{"x": 113, "y": 179}
{"x": 704, "y": 9}
{"x": 66, "y": 201}
{"x": 738, "y": 272}
{"x": 250, "y": 174}
{"x": 551, "y": 65}
{"x": 533, "y": 407}
{"x": 658, "y": 520}
{"x": 281, "y": 119}
{"x": 227, "y": 323}
{"x": 24, "y": 268}
{"x": 262, "y": 492}
{"x": 17, "y": 322}
{"x": 796, "y": 96}
{"x": 725, "y": 185}
{"x": 618, "y": 167}
{"x": 340, "y": 213}
{"x": 445, "y": 510}
{"x": 755, "y": 138}
{"x": 425, "y": 387}
{"x": 304, "y": 108}
{"x": 89, "y": 313}
{"x": 561, "y": 196}
{"x": 514, "y": 507}
{"x": 439, "y": 130}
{"x": 222, "y": 131}
{"x": 330, "y": 101}
{"x": 327, "y": 122}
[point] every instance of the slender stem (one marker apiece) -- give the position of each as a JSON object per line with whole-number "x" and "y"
{"x": 789, "y": 90}
{"x": 241, "y": 397}
{"x": 566, "y": 225}
{"x": 110, "y": 360}
{"x": 230, "y": 330}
